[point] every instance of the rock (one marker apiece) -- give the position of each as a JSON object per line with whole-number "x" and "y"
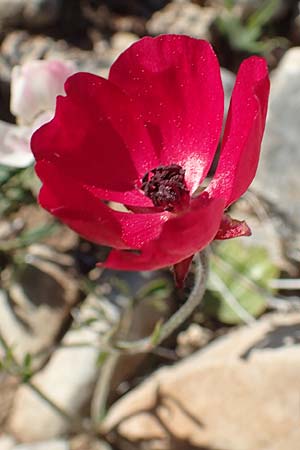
{"x": 239, "y": 393}
{"x": 57, "y": 444}
{"x": 29, "y": 13}
{"x": 19, "y": 47}
{"x": 118, "y": 16}
{"x": 87, "y": 442}
{"x": 43, "y": 294}
{"x": 120, "y": 41}
{"x": 8, "y": 387}
{"x": 277, "y": 179}
{"x": 191, "y": 339}
{"x": 8, "y": 228}
{"x": 7, "y": 442}
{"x": 183, "y": 18}
{"x": 67, "y": 380}
{"x": 41, "y": 13}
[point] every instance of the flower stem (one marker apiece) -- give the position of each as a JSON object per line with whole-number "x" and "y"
{"x": 162, "y": 331}
{"x": 102, "y": 389}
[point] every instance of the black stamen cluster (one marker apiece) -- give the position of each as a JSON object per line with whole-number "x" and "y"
{"x": 165, "y": 185}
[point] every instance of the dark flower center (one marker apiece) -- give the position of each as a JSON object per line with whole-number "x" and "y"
{"x": 165, "y": 185}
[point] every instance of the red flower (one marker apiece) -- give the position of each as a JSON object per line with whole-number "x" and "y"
{"x": 146, "y": 138}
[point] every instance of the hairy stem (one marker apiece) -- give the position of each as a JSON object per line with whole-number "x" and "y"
{"x": 102, "y": 389}
{"x": 166, "y": 329}
{"x": 161, "y": 332}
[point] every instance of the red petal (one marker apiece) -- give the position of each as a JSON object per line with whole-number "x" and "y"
{"x": 231, "y": 228}
{"x": 99, "y": 137}
{"x": 176, "y": 80}
{"x": 181, "y": 270}
{"x": 243, "y": 132}
{"x": 179, "y": 239}
{"x": 76, "y": 206}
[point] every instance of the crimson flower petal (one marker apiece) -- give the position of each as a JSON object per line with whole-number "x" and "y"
{"x": 92, "y": 136}
{"x": 176, "y": 82}
{"x": 77, "y": 208}
{"x": 243, "y": 131}
{"x": 180, "y": 238}
{"x": 91, "y": 218}
{"x": 231, "y": 228}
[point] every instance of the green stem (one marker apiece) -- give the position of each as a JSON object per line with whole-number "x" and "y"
{"x": 161, "y": 332}
{"x": 102, "y": 389}
{"x": 166, "y": 329}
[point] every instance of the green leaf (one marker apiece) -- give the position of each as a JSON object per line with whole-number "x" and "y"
{"x": 36, "y": 234}
{"x": 13, "y": 189}
{"x": 247, "y": 35}
{"x": 229, "y": 4}
{"x": 5, "y": 173}
{"x": 238, "y": 284}
{"x": 264, "y": 14}
{"x": 102, "y": 357}
{"x": 155, "y": 336}
{"x": 26, "y": 371}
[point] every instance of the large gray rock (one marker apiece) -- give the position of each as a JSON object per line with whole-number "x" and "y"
{"x": 277, "y": 179}
{"x": 239, "y": 393}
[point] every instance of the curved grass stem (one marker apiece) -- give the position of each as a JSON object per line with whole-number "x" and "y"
{"x": 162, "y": 331}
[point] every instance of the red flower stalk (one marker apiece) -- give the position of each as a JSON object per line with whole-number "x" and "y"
{"x": 146, "y": 138}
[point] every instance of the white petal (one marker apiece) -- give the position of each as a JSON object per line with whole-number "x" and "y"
{"x": 41, "y": 119}
{"x": 14, "y": 145}
{"x": 35, "y": 86}
{"x": 15, "y": 148}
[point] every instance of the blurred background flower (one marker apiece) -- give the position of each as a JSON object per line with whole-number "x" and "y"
{"x": 34, "y": 88}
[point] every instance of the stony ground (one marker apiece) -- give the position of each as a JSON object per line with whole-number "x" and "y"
{"x": 230, "y": 379}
